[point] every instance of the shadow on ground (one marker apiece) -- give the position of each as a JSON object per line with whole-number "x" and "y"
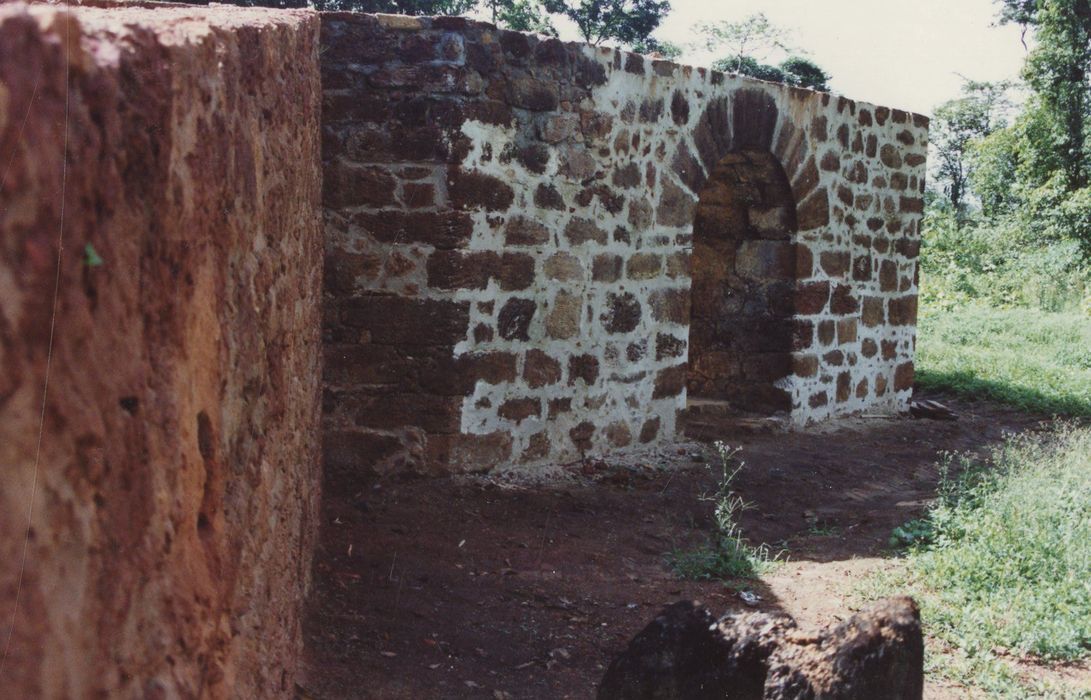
{"x": 490, "y": 588}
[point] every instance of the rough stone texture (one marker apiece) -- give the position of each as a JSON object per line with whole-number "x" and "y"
{"x": 686, "y": 654}
{"x": 627, "y": 188}
{"x": 177, "y": 482}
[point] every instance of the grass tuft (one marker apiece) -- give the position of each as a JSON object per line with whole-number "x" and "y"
{"x": 727, "y": 555}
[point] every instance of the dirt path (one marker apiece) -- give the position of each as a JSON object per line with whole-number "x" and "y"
{"x": 493, "y": 588}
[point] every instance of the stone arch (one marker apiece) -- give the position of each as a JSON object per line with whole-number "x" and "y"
{"x": 743, "y": 285}
{"x": 757, "y": 188}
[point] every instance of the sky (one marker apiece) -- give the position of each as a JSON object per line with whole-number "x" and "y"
{"x": 905, "y": 54}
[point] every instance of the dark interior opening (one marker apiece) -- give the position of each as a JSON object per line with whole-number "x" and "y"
{"x": 744, "y": 272}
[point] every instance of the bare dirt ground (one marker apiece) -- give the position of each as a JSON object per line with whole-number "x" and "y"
{"x": 497, "y": 587}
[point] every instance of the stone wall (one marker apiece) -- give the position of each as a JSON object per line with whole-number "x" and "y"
{"x": 510, "y": 233}
{"x": 175, "y": 504}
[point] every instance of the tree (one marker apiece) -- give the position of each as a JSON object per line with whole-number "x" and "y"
{"x": 956, "y": 126}
{"x": 754, "y": 37}
{"x": 748, "y": 42}
{"x": 805, "y": 73}
{"x": 626, "y": 21}
{"x": 520, "y": 16}
{"x": 659, "y": 49}
{"x": 1058, "y": 71}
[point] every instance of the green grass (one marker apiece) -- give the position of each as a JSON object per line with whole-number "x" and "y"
{"x": 1032, "y": 359}
{"x": 1003, "y": 568}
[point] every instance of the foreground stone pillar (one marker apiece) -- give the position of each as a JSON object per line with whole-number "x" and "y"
{"x": 175, "y": 491}
{"x": 687, "y": 654}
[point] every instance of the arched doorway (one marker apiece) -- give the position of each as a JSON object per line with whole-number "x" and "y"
{"x": 744, "y": 272}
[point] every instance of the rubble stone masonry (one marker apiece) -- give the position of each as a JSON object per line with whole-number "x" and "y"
{"x": 538, "y": 250}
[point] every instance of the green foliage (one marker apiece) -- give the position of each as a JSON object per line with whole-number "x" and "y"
{"x": 957, "y": 125}
{"x": 993, "y": 167}
{"x": 1057, "y": 70}
{"x": 1028, "y": 259}
{"x": 913, "y": 533}
{"x": 727, "y": 555}
{"x": 1034, "y": 360}
{"x": 747, "y": 43}
{"x": 626, "y": 21}
{"x": 520, "y": 16}
{"x": 1008, "y": 563}
{"x": 793, "y": 71}
{"x": 660, "y": 49}
{"x": 754, "y": 37}
{"x": 91, "y": 257}
{"x": 804, "y": 72}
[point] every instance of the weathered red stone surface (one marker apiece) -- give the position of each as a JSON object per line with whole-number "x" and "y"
{"x": 176, "y": 485}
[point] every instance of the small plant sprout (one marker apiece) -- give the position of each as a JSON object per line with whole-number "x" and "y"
{"x": 727, "y": 555}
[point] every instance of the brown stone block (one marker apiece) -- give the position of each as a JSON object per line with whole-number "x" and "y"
{"x": 826, "y": 331}
{"x": 516, "y": 271}
{"x": 846, "y": 330}
{"x": 766, "y": 259}
{"x": 835, "y": 264}
{"x": 397, "y": 320}
{"x": 563, "y": 320}
{"x": 358, "y": 452}
{"x": 582, "y": 435}
{"x": 818, "y": 399}
{"x": 535, "y": 95}
{"x": 622, "y": 313}
{"x": 521, "y": 231}
{"x": 618, "y": 434}
{"x": 873, "y": 314}
{"x": 880, "y": 385}
{"x": 585, "y": 367}
{"x": 890, "y": 156}
{"x": 351, "y": 185}
{"x": 490, "y": 367}
{"x": 433, "y": 414}
{"x": 520, "y": 409}
{"x": 540, "y": 369}
{"x": 513, "y": 322}
{"x": 676, "y": 205}
{"x": 538, "y": 447}
{"x": 563, "y": 266}
{"x": 843, "y": 301}
{"x": 453, "y": 269}
{"x": 903, "y": 377}
{"x": 861, "y": 268}
{"x": 606, "y": 267}
{"x": 474, "y": 190}
{"x": 581, "y": 230}
{"x": 468, "y": 453}
{"x": 814, "y": 211}
{"x": 811, "y": 297}
{"x": 804, "y": 365}
{"x": 649, "y": 430}
{"x": 888, "y": 276}
{"x": 844, "y": 386}
{"x": 559, "y": 406}
{"x": 766, "y": 367}
{"x": 678, "y": 265}
{"x": 444, "y": 230}
{"x": 643, "y": 266}
{"x": 667, "y": 346}
{"x": 670, "y": 305}
{"x": 669, "y": 382}
{"x": 903, "y": 311}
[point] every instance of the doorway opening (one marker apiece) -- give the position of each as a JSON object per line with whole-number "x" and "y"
{"x": 744, "y": 275}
